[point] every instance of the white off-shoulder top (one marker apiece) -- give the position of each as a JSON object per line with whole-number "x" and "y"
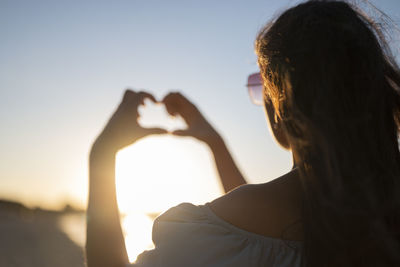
{"x": 190, "y": 236}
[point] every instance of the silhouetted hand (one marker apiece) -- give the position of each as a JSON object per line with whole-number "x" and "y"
{"x": 198, "y": 126}
{"x": 123, "y": 128}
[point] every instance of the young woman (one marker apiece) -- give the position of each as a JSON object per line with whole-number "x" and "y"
{"x": 331, "y": 94}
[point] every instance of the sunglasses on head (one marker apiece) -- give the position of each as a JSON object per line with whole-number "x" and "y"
{"x": 255, "y": 88}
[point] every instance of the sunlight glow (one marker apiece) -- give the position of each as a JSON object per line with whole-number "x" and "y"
{"x": 137, "y": 229}
{"x": 155, "y": 174}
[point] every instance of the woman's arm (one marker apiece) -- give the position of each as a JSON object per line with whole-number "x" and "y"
{"x": 229, "y": 173}
{"x": 105, "y": 244}
{"x": 201, "y": 129}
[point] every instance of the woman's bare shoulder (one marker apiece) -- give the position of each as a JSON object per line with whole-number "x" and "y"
{"x": 267, "y": 209}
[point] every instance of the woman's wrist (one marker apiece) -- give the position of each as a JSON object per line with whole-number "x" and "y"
{"x": 102, "y": 148}
{"x": 101, "y": 166}
{"x": 214, "y": 140}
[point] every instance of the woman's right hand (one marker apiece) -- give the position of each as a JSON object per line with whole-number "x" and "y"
{"x": 198, "y": 126}
{"x": 123, "y": 128}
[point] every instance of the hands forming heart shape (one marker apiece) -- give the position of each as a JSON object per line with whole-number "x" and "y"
{"x": 123, "y": 128}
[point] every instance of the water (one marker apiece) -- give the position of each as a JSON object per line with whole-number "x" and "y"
{"x": 74, "y": 225}
{"x": 136, "y": 227}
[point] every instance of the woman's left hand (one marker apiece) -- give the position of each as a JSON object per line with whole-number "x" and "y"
{"x": 198, "y": 126}
{"x": 123, "y": 128}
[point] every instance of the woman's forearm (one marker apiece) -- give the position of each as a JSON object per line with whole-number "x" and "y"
{"x": 229, "y": 173}
{"x": 105, "y": 244}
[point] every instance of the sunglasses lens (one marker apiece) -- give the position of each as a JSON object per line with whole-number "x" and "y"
{"x": 255, "y": 87}
{"x": 256, "y": 94}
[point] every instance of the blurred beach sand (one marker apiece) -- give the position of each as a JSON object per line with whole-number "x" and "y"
{"x": 33, "y": 238}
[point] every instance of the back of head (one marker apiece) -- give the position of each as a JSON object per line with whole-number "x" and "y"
{"x": 335, "y": 86}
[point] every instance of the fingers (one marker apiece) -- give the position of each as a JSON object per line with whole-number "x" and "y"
{"x": 137, "y": 98}
{"x": 171, "y": 107}
{"x": 176, "y": 97}
{"x": 171, "y": 104}
{"x": 176, "y": 103}
{"x": 143, "y": 95}
{"x": 128, "y": 94}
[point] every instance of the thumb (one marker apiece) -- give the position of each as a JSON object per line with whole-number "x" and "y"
{"x": 150, "y": 131}
{"x": 182, "y": 133}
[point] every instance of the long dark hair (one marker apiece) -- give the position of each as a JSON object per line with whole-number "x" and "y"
{"x": 334, "y": 85}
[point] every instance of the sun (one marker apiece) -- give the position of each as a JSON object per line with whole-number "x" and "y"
{"x": 157, "y": 173}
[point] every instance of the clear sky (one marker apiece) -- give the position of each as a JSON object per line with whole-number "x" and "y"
{"x": 64, "y": 66}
